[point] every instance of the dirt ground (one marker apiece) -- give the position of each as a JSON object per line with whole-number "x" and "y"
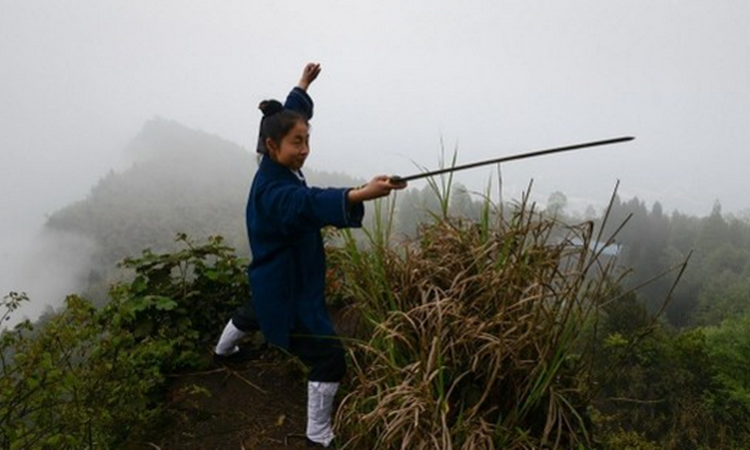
{"x": 255, "y": 405}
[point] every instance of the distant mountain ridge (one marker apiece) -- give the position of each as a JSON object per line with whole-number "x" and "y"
{"x": 181, "y": 180}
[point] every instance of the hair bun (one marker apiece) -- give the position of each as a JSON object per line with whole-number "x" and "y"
{"x": 270, "y": 107}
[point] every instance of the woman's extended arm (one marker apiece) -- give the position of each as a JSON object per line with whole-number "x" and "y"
{"x": 380, "y": 186}
{"x": 309, "y": 74}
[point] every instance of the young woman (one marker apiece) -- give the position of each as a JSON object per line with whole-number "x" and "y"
{"x": 287, "y": 273}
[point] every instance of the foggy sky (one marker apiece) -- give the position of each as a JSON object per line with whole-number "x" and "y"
{"x": 78, "y": 79}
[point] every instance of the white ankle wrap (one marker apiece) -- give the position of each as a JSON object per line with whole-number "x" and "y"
{"x": 319, "y": 409}
{"x": 230, "y": 337}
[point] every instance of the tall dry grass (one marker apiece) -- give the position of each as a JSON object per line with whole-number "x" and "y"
{"x": 473, "y": 334}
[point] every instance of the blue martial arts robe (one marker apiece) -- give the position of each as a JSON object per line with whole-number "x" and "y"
{"x": 288, "y": 269}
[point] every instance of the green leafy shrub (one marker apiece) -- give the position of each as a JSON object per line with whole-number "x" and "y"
{"x": 181, "y": 299}
{"x": 71, "y": 385}
{"x": 679, "y": 388}
{"x": 86, "y": 377}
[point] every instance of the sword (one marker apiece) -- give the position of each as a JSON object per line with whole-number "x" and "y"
{"x": 549, "y": 151}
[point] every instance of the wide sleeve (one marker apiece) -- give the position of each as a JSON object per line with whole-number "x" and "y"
{"x": 299, "y": 209}
{"x": 300, "y": 101}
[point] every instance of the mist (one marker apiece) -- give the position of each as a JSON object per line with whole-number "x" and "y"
{"x": 47, "y": 265}
{"x": 401, "y": 82}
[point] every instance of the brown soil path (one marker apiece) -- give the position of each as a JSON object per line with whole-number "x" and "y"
{"x": 251, "y": 406}
{"x": 246, "y": 407}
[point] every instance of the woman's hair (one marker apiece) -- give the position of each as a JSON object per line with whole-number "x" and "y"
{"x": 277, "y": 122}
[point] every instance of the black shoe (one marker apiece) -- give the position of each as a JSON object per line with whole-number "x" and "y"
{"x": 313, "y": 444}
{"x": 308, "y": 442}
{"x": 243, "y": 355}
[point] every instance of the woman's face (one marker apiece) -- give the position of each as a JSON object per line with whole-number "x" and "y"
{"x": 294, "y": 147}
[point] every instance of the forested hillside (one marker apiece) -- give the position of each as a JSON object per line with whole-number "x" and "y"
{"x": 181, "y": 181}
{"x": 716, "y": 282}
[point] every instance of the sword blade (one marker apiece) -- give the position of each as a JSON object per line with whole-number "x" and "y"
{"x": 532, "y": 154}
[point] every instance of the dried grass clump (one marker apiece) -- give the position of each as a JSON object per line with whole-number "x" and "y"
{"x": 474, "y": 336}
